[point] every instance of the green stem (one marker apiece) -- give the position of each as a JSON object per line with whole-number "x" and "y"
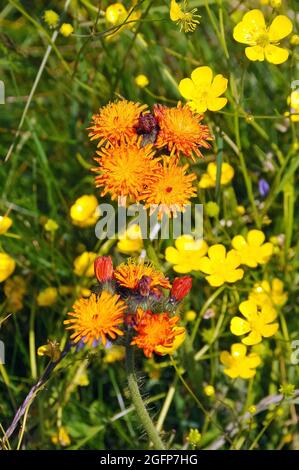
{"x": 138, "y": 401}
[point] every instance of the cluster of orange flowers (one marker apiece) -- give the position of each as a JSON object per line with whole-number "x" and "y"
{"x": 131, "y": 302}
{"x": 139, "y": 153}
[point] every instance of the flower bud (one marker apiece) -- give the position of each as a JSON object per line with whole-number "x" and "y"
{"x": 103, "y": 268}
{"x": 181, "y": 287}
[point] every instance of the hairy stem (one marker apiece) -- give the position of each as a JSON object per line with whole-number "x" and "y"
{"x": 138, "y": 401}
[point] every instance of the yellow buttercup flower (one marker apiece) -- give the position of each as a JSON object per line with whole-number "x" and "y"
{"x": 14, "y": 289}
{"x": 295, "y": 40}
{"x": 142, "y": 81}
{"x": 187, "y": 254}
{"x": 114, "y": 353}
{"x": 51, "y": 18}
{"x": 263, "y": 41}
{"x": 5, "y": 224}
{"x": 116, "y": 14}
{"x": 263, "y": 293}
{"x": 238, "y": 364}
{"x": 253, "y": 250}
{"x": 187, "y": 20}
{"x": 293, "y": 102}
{"x": 190, "y": 315}
{"x": 240, "y": 210}
{"x": 51, "y": 225}
{"x": 84, "y": 212}
{"x": 208, "y": 179}
{"x": 258, "y": 322}
{"x": 220, "y": 266}
{"x": 66, "y": 29}
{"x": 194, "y": 438}
{"x": 275, "y": 3}
{"x": 7, "y": 266}
{"x": 202, "y": 92}
{"x": 83, "y": 264}
{"x": 47, "y": 297}
{"x": 61, "y": 437}
{"x": 131, "y": 241}
{"x": 209, "y": 390}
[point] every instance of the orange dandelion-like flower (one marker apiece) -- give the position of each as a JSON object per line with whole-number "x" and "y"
{"x": 125, "y": 168}
{"x": 96, "y": 317}
{"x": 140, "y": 277}
{"x": 181, "y": 131}
{"x": 115, "y": 122}
{"x": 158, "y": 332}
{"x": 171, "y": 189}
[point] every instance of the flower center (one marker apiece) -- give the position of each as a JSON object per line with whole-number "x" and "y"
{"x": 263, "y": 40}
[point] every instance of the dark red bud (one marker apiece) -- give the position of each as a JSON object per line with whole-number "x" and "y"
{"x": 181, "y": 287}
{"x": 103, "y": 268}
{"x": 144, "y": 286}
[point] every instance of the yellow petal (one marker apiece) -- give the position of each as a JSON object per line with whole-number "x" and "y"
{"x": 187, "y": 88}
{"x": 234, "y": 275}
{"x": 253, "y": 360}
{"x": 252, "y": 24}
{"x": 253, "y": 338}
{"x": 255, "y": 18}
{"x": 233, "y": 373}
{"x": 268, "y": 313}
{"x": 248, "y": 309}
{"x": 182, "y": 268}
{"x": 226, "y": 359}
{"x": 5, "y": 224}
{"x": 238, "y": 350}
{"x": 233, "y": 259}
{"x": 215, "y": 280}
{"x": 247, "y": 373}
{"x": 255, "y": 237}
{"x": 175, "y": 11}
{"x": 219, "y": 85}
{"x": 172, "y": 255}
{"x": 270, "y": 330}
{"x": 265, "y": 252}
{"x": 255, "y": 53}
{"x": 215, "y": 104}
{"x": 227, "y": 173}
{"x": 280, "y": 28}
{"x": 198, "y": 105}
{"x": 238, "y": 242}
{"x": 202, "y": 76}
{"x": 276, "y": 55}
{"x": 205, "y": 265}
{"x": 277, "y": 286}
{"x": 217, "y": 252}
{"x": 239, "y": 327}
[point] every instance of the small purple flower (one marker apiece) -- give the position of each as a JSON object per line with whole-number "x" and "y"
{"x": 264, "y": 187}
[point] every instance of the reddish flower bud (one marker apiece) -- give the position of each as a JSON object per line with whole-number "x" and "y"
{"x": 103, "y": 268}
{"x": 181, "y": 287}
{"x": 144, "y": 286}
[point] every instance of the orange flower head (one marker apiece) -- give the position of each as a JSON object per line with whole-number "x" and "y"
{"x": 142, "y": 278}
{"x": 96, "y": 318}
{"x": 158, "y": 332}
{"x": 181, "y": 131}
{"x": 115, "y": 122}
{"x": 170, "y": 190}
{"x": 125, "y": 168}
